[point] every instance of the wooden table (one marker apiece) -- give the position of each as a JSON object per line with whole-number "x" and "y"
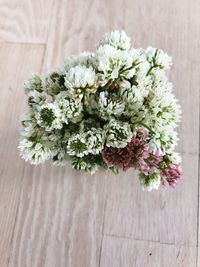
{"x": 57, "y": 217}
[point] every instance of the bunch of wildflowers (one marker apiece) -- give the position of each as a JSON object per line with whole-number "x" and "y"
{"x": 112, "y": 109}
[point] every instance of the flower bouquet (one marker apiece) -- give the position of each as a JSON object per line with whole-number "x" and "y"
{"x": 112, "y": 109}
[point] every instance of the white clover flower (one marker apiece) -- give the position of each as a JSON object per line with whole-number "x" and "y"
{"x": 77, "y": 146}
{"x": 95, "y": 140}
{"x": 87, "y": 164}
{"x": 33, "y": 84}
{"x": 151, "y": 53}
{"x": 162, "y": 107}
{"x": 175, "y": 158}
{"x": 33, "y": 152}
{"x": 80, "y": 77}
{"x": 83, "y": 59}
{"x": 150, "y": 182}
{"x": 134, "y": 95}
{"x": 117, "y": 39}
{"x": 88, "y": 124}
{"x": 49, "y": 116}
{"x": 109, "y": 105}
{"x": 54, "y": 83}
{"x": 28, "y": 123}
{"x": 36, "y": 99}
{"x": 84, "y": 143}
{"x": 164, "y": 141}
{"x": 140, "y": 63}
{"x": 160, "y": 83}
{"x": 163, "y": 60}
{"x": 118, "y": 134}
{"x": 59, "y": 154}
{"x": 70, "y": 109}
{"x": 158, "y": 58}
{"x": 134, "y": 98}
{"x": 113, "y": 64}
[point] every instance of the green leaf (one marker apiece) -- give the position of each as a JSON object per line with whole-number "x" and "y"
{"x": 114, "y": 170}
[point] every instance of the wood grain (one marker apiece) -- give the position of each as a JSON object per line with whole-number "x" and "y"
{"x": 119, "y": 252}
{"x": 60, "y": 218}
{"x": 53, "y": 216}
{"x": 167, "y": 216}
{"x": 13, "y": 57}
{"x": 77, "y": 26}
{"x": 25, "y": 20}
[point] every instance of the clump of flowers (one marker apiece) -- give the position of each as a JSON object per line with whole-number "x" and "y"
{"x": 112, "y": 109}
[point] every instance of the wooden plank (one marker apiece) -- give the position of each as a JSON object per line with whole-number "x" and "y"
{"x": 60, "y": 218}
{"x": 25, "y": 21}
{"x": 167, "y": 216}
{"x": 40, "y": 238}
{"x": 17, "y": 62}
{"x": 77, "y": 26}
{"x": 119, "y": 252}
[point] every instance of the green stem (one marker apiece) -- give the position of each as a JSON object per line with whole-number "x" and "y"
{"x": 147, "y": 127}
{"x": 154, "y": 63}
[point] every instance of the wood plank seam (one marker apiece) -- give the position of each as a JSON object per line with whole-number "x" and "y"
{"x": 43, "y": 58}
{"x": 13, "y": 15}
{"x": 198, "y": 197}
{"x": 22, "y": 43}
{"x": 123, "y": 252}
{"x": 102, "y": 232}
{"x": 24, "y": 163}
{"x": 48, "y": 31}
{"x": 13, "y": 231}
{"x": 150, "y": 241}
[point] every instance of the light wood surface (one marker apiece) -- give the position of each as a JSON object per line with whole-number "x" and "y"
{"x": 56, "y": 217}
{"x": 120, "y": 252}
